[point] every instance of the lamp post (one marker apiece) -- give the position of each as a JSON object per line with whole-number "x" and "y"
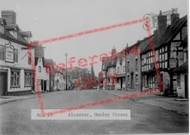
{"x": 66, "y": 70}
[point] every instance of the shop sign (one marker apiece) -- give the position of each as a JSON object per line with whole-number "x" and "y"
{"x": 9, "y": 53}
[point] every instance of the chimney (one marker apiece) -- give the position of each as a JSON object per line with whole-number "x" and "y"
{"x": 113, "y": 51}
{"x": 174, "y": 16}
{"x": 9, "y": 16}
{"x": 162, "y": 24}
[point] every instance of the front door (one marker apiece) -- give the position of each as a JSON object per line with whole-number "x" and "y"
{"x": 3, "y": 83}
{"x": 132, "y": 81}
{"x": 45, "y": 85}
{"x": 121, "y": 82}
{"x": 42, "y": 85}
{"x": 186, "y": 86}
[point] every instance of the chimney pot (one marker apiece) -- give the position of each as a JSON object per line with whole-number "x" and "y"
{"x": 160, "y": 12}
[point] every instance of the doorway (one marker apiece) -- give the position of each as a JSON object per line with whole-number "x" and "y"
{"x": 186, "y": 87}
{"x": 121, "y": 83}
{"x": 132, "y": 81}
{"x": 3, "y": 83}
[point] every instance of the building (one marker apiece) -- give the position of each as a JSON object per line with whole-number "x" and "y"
{"x": 120, "y": 70}
{"x": 181, "y": 72}
{"x": 109, "y": 70}
{"x": 59, "y": 81}
{"x": 42, "y": 71}
{"x": 158, "y": 65}
{"x": 51, "y": 65}
{"x": 16, "y": 74}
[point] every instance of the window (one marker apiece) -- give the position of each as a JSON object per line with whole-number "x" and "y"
{"x": 15, "y": 55}
{"x": 39, "y": 59}
{"x": 145, "y": 81}
{"x": 124, "y": 69}
{"x": 136, "y": 78}
{"x": 1, "y": 29}
{"x": 136, "y": 63}
{"x": 29, "y": 59}
{"x": 103, "y": 66}
{"x": 128, "y": 65}
{"x": 39, "y": 69}
{"x": 178, "y": 80}
{"x": 47, "y": 70}
{"x": 15, "y": 79}
{"x": 128, "y": 79}
{"x": 28, "y": 79}
{"x": 2, "y": 52}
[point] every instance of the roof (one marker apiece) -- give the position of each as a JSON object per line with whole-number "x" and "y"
{"x": 7, "y": 35}
{"x": 182, "y": 69}
{"x": 26, "y": 33}
{"x": 168, "y": 35}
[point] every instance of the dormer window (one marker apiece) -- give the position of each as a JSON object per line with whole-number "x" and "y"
{"x": 13, "y": 33}
{"x": 2, "y": 29}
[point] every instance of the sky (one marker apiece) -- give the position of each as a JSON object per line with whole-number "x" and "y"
{"x": 48, "y": 19}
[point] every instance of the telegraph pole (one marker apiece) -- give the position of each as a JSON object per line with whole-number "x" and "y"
{"x": 66, "y": 70}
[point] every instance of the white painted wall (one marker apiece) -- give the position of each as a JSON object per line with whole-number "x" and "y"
{"x": 22, "y": 64}
{"x": 181, "y": 89}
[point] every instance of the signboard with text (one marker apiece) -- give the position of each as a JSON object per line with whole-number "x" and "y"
{"x": 9, "y": 53}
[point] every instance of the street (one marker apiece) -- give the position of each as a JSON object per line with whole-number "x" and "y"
{"x": 16, "y": 116}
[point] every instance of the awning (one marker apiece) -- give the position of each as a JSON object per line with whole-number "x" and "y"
{"x": 182, "y": 69}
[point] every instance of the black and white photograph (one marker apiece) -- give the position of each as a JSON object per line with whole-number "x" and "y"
{"x": 94, "y": 67}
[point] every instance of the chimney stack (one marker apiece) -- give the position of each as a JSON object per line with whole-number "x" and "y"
{"x": 174, "y": 16}
{"x": 9, "y": 16}
{"x": 162, "y": 24}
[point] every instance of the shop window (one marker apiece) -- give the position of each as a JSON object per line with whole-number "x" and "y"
{"x": 15, "y": 79}
{"x": 2, "y": 52}
{"x": 28, "y": 79}
{"x": 16, "y": 55}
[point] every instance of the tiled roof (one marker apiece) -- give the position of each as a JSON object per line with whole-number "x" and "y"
{"x": 182, "y": 69}
{"x": 10, "y": 37}
{"x": 170, "y": 32}
{"x": 25, "y": 33}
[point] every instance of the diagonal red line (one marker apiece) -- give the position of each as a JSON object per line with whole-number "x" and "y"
{"x": 81, "y": 34}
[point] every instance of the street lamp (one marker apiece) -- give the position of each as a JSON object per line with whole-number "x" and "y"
{"x": 66, "y": 70}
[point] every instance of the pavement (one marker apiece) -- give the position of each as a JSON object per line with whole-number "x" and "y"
{"x": 8, "y": 99}
{"x": 178, "y": 105}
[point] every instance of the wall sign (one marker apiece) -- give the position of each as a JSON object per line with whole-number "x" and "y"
{"x": 9, "y": 53}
